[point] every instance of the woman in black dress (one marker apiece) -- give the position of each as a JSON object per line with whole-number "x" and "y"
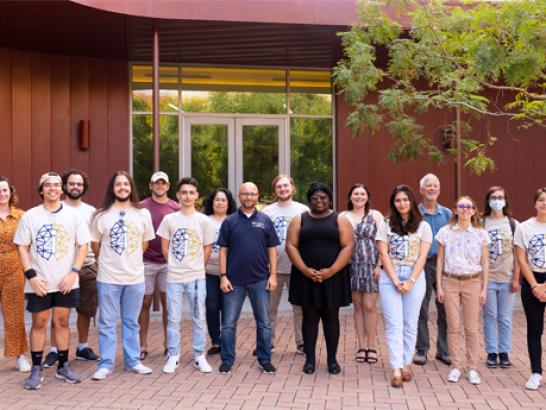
{"x": 320, "y": 244}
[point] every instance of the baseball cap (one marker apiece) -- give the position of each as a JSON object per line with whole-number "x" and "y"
{"x": 159, "y": 175}
{"x": 50, "y": 175}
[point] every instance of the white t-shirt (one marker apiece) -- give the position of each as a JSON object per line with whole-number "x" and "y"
{"x": 121, "y": 233}
{"x": 213, "y": 267}
{"x": 404, "y": 250}
{"x": 531, "y": 236}
{"x": 281, "y": 217}
{"x": 501, "y": 249}
{"x": 188, "y": 234}
{"x": 52, "y": 237}
{"x": 87, "y": 211}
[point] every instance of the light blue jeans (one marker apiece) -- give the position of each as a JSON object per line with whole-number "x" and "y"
{"x": 116, "y": 301}
{"x": 196, "y": 293}
{"x": 401, "y": 315}
{"x": 498, "y": 311}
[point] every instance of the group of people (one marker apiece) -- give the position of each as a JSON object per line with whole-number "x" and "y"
{"x": 114, "y": 258}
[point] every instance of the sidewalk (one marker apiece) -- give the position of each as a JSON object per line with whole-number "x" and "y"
{"x": 359, "y": 386}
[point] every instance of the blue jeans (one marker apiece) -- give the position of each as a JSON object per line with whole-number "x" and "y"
{"x": 214, "y": 307}
{"x": 233, "y": 302}
{"x": 196, "y": 293}
{"x": 498, "y": 312}
{"x": 115, "y": 301}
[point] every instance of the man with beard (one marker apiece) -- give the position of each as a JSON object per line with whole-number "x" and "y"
{"x": 155, "y": 265}
{"x": 52, "y": 241}
{"x": 76, "y": 185}
{"x": 436, "y": 216}
{"x": 248, "y": 265}
{"x": 120, "y": 231}
{"x": 281, "y": 213}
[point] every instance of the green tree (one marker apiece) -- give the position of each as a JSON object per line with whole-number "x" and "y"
{"x": 460, "y": 58}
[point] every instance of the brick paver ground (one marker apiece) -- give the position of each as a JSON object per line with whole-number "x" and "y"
{"x": 359, "y": 386}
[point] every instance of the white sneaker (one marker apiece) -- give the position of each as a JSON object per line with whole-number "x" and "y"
{"x": 171, "y": 365}
{"x": 454, "y": 375}
{"x": 534, "y": 381}
{"x": 474, "y": 377}
{"x": 101, "y": 373}
{"x": 202, "y": 364}
{"x": 23, "y": 364}
{"x": 140, "y": 369}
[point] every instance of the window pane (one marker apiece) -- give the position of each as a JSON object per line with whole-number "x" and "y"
{"x": 142, "y": 88}
{"x": 233, "y": 90}
{"x": 310, "y": 153}
{"x": 310, "y": 92}
{"x": 209, "y": 157}
{"x": 142, "y": 151}
{"x": 261, "y": 158}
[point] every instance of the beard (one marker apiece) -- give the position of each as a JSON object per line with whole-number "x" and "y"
{"x": 75, "y": 195}
{"x": 122, "y": 199}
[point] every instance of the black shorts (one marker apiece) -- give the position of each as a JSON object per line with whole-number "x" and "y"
{"x": 36, "y": 303}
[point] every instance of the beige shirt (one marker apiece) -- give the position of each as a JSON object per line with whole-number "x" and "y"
{"x": 501, "y": 249}
{"x": 404, "y": 250}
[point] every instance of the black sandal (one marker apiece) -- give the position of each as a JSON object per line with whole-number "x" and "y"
{"x": 361, "y": 358}
{"x": 371, "y": 359}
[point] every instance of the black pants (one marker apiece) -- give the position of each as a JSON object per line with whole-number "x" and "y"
{"x": 330, "y": 327}
{"x": 534, "y": 312}
{"x": 423, "y": 340}
{"x": 214, "y": 304}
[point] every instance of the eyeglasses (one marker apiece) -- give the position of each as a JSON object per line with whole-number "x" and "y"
{"x": 465, "y": 206}
{"x": 252, "y": 194}
{"x": 79, "y": 184}
{"x": 316, "y": 198}
{"x": 496, "y": 198}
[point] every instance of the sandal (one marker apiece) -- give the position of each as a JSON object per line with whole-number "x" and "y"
{"x": 371, "y": 359}
{"x": 143, "y": 354}
{"x": 361, "y": 358}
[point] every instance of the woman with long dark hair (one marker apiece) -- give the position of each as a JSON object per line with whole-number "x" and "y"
{"x": 364, "y": 270}
{"x": 462, "y": 273}
{"x": 403, "y": 242}
{"x": 530, "y": 241}
{"x": 503, "y": 278}
{"x": 320, "y": 244}
{"x": 12, "y": 280}
{"x": 218, "y": 205}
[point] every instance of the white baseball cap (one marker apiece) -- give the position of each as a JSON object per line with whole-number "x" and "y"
{"x": 160, "y": 175}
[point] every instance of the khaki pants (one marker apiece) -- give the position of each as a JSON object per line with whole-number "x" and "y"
{"x": 465, "y": 294}
{"x": 275, "y": 299}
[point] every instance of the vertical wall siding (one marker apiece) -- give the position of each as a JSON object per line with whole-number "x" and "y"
{"x": 43, "y": 97}
{"x": 519, "y": 156}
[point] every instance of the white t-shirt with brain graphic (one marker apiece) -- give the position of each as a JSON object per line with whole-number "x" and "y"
{"x": 120, "y": 233}
{"x": 404, "y": 250}
{"x": 531, "y": 236}
{"x": 281, "y": 217}
{"x": 52, "y": 237}
{"x": 188, "y": 234}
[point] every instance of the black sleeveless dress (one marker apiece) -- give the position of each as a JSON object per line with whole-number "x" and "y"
{"x": 319, "y": 247}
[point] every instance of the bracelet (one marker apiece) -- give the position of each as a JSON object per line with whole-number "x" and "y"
{"x": 223, "y": 274}
{"x": 30, "y": 273}
{"x": 412, "y": 279}
{"x": 75, "y": 269}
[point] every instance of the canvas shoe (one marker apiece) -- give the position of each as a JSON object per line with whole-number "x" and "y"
{"x": 504, "y": 361}
{"x": 34, "y": 381}
{"x": 140, "y": 369}
{"x": 67, "y": 374}
{"x": 454, "y": 375}
{"x": 474, "y": 377}
{"x": 202, "y": 364}
{"x": 534, "y": 381}
{"x": 101, "y": 373}
{"x": 171, "y": 365}
{"x": 23, "y": 364}
{"x": 491, "y": 361}
{"x": 50, "y": 359}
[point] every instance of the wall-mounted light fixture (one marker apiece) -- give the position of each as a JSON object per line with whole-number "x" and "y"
{"x": 84, "y": 135}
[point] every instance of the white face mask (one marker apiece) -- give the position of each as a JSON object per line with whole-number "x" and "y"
{"x": 497, "y": 204}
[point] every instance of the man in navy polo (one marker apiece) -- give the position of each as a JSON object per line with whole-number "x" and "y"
{"x": 248, "y": 265}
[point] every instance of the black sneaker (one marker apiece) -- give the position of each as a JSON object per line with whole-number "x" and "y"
{"x": 268, "y": 368}
{"x": 420, "y": 358}
{"x": 215, "y": 349}
{"x": 504, "y": 361}
{"x": 491, "y": 361}
{"x": 51, "y": 359}
{"x": 225, "y": 368}
{"x": 86, "y": 354}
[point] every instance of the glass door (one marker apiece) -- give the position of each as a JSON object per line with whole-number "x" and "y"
{"x": 260, "y": 146}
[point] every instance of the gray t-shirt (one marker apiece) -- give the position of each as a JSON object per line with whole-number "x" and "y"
{"x": 501, "y": 249}
{"x": 281, "y": 217}
{"x": 531, "y": 236}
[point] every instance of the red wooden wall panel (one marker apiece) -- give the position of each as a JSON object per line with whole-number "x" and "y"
{"x": 43, "y": 97}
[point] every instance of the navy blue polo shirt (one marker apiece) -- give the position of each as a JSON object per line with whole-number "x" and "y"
{"x": 247, "y": 240}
